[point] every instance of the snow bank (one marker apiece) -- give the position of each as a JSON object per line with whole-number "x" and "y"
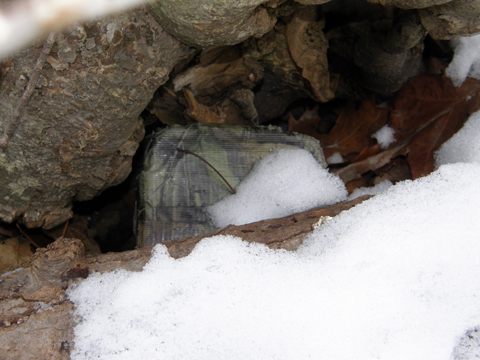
{"x": 464, "y": 146}
{"x": 394, "y": 278}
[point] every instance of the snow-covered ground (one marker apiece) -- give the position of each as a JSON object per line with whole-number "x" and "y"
{"x": 396, "y": 277}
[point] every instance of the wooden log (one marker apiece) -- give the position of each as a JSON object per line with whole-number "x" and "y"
{"x": 36, "y": 321}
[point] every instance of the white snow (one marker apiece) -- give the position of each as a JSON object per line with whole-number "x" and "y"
{"x": 385, "y": 136}
{"x": 373, "y": 190}
{"x": 396, "y": 277}
{"x": 335, "y": 158}
{"x": 466, "y": 60}
{"x": 285, "y": 182}
{"x": 464, "y": 146}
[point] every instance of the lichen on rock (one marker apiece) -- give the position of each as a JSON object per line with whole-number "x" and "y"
{"x": 81, "y": 126}
{"x": 204, "y": 23}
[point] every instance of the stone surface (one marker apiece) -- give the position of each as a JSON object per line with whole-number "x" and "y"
{"x": 80, "y": 128}
{"x": 410, "y": 4}
{"x": 312, "y": 2}
{"x": 225, "y": 22}
{"x": 452, "y": 20}
{"x": 386, "y": 59}
{"x": 443, "y": 19}
{"x": 204, "y": 23}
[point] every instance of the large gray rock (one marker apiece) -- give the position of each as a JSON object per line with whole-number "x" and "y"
{"x": 452, "y": 20}
{"x": 80, "y": 128}
{"x": 410, "y": 4}
{"x": 443, "y": 19}
{"x": 205, "y": 23}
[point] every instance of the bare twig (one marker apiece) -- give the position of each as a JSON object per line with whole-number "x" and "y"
{"x": 65, "y": 229}
{"x": 206, "y": 162}
{"x": 12, "y": 125}
{"x": 28, "y": 237}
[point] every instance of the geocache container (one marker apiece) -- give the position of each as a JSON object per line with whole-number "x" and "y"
{"x": 176, "y": 186}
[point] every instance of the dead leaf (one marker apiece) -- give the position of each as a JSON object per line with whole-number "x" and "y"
{"x": 307, "y": 124}
{"x": 218, "y": 69}
{"x": 166, "y": 107}
{"x": 353, "y": 130}
{"x": 355, "y": 170}
{"x": 308, "y": 48}
{"x": 244, "y": 98}
{"x": 426, "y": 112}
{"x": 431, "y": 109}
{"x": 396, "y": 170}
{"x": 363, "y": 181}
{"x": 203, "y": 113}
{"x": 13, "y": 252}
{"x": 367, "y": 152}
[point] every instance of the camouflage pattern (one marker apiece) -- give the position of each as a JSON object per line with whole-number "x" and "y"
{"x": 175, "y": 187}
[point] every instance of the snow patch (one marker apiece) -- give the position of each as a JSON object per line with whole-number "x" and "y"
{"x": 466, "y": 61}
{"x": 464, "y": 146}
{"x": 373, "y": 190}
{"x": 384, "y": 136}
{"x": 335, "y": 158}
{"x": 283, "y": 183}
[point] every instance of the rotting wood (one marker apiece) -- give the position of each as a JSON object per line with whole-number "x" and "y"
{"x": 36, "y": 321}
{"x": 284, "y": 233}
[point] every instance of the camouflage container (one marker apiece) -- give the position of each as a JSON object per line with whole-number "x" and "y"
{"x": 176, "y": 186}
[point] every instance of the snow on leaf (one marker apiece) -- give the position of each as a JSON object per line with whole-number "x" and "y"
{"x": 354, "y": 128}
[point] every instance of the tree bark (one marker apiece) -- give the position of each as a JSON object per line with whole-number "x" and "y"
{"x": 36, "y": 321}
